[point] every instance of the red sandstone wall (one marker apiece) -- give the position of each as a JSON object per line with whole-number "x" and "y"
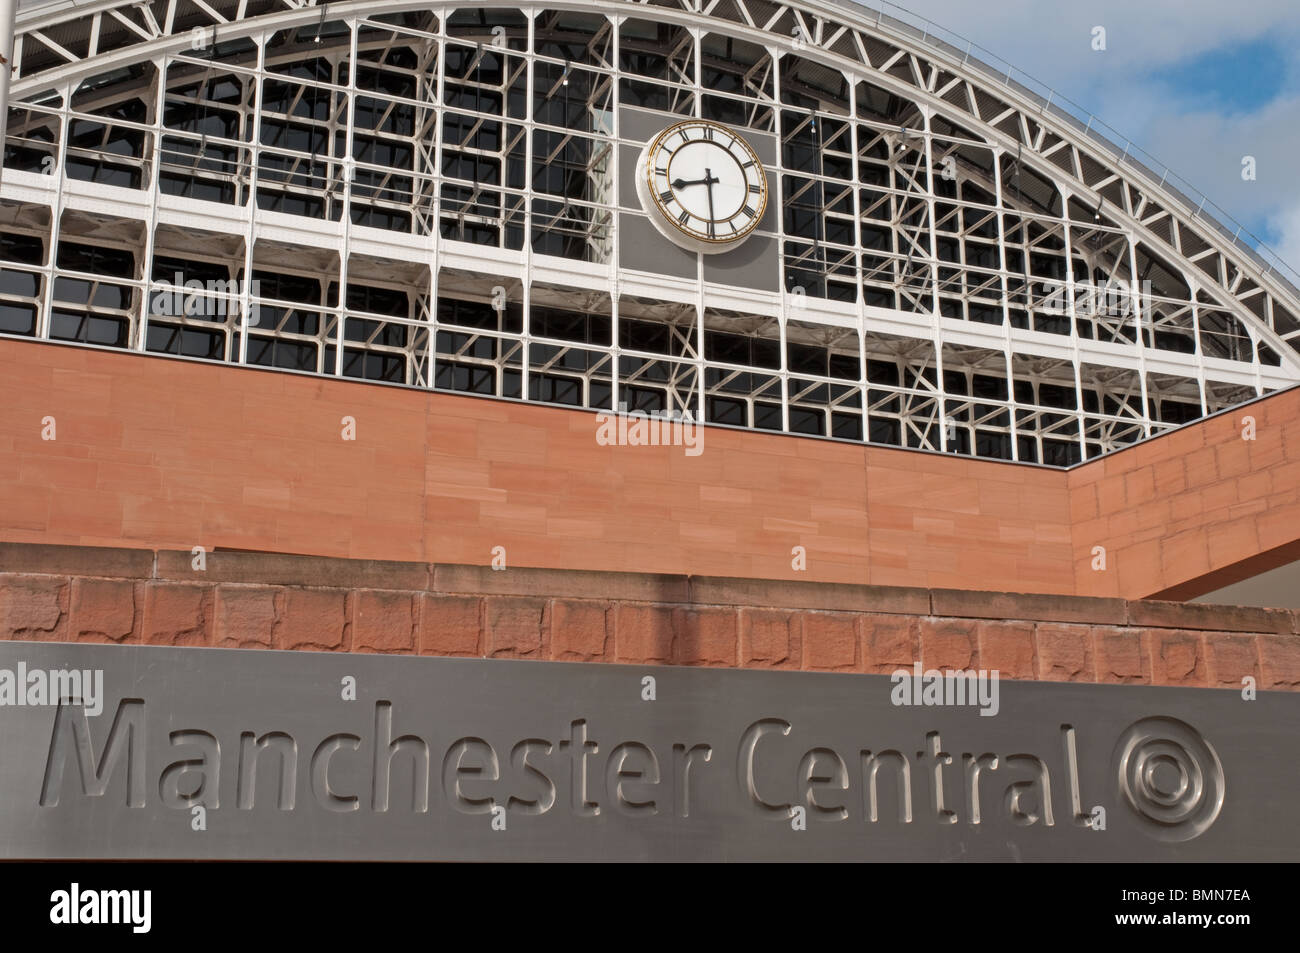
{"x": 172, "y": 454}
{"x": 178, "y": 454}
{"x": 77, "y": 594}
{"x": 1177, "y": 513}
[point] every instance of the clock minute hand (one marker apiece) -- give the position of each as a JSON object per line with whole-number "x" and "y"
{"x": 709, "y": 180}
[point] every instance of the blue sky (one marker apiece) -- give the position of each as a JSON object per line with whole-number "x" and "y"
{"x": 1240, "y": 77}
{"x": 1198, "y": 84}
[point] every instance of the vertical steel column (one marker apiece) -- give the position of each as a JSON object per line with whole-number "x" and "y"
{"x": 1073, "y": 317}
{"x": 615, "y": 258}
{"x": 254, "y": 159}
{"x": 941, "y": 389}
{"x": 857, "y": 258}
{"x": 44, "y": 319}
{"x": 526, "y": 324}
{"x": 1139, "y": 318}
{"x": 8, "y": 10}
{"x": 151, "y": 225}
{"x": 1194, "y": 293}
{"x": 1007, "y": 347}
{"x": 435, "y": 176}
{"x": 778, "y": 195}
{"x": 701, "y": 304}
{"x": 348, "y": 167}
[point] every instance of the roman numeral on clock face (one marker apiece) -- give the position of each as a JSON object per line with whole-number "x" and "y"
{"x": 666, "y": 197}
{"x": 684, "y": 218}
{"x": 749, "y": 211}
{"x": 755, "y": 189}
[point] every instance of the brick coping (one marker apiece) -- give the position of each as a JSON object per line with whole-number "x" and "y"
{"x": 327, "y": 572}
{"x": 268, "y": 600}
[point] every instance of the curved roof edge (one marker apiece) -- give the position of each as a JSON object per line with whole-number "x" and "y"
{"x": 1089, "y": 126}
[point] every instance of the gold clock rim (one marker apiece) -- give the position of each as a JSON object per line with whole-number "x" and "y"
{"x": 663, "y": 212}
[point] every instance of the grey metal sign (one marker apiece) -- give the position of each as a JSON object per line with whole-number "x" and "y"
{"x": 210, "y": 753}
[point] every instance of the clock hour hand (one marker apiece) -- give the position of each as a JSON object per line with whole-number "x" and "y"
{"x": 708, "y": 179}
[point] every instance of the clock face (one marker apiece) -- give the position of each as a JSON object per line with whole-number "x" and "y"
{"x": 702, "y": 185}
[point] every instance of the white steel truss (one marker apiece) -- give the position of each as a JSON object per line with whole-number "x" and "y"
{"x": 430, "y": 197}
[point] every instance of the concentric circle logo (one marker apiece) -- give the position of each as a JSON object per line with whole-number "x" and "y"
{"x": 1171, "y": 777}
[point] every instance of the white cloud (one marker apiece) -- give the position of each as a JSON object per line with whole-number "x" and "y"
{"x": 1207, "y": 149}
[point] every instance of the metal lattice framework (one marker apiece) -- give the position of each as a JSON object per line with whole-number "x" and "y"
{"x": 434, "y": 198}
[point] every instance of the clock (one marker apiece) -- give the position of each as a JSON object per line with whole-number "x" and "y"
{"x": 702, "y": 185}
